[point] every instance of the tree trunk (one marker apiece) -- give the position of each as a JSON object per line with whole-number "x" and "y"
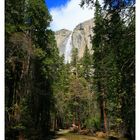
{"x": 21, "y": 136}
{"x": 73, "y": 118}
{"x": 79, "y": 122}
{"x": 105, "y": 117}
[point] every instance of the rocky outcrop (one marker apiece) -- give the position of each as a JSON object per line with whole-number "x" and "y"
{"x": 101, "y": 134}
{"x": 80, "y": 38}
{"x": 61, "y": 37}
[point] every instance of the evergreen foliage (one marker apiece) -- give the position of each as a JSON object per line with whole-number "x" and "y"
{"x": 109, "y": 58}
{"x": 31, "y": 69}
{"x": 43, "y": 94}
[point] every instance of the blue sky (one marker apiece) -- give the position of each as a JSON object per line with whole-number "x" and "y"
{"x": 67, "y": 14}
{"x": 55, "y": 3}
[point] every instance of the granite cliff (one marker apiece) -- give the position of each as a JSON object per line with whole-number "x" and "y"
{"x": 79, "y": 38}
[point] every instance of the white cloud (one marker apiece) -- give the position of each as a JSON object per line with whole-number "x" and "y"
{"x": 69, "y": 15}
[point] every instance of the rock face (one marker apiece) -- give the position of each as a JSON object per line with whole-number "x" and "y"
{"x": 61, "y": 37}
{"x": 82, "y": 37}
{"x": 79, "y": 38}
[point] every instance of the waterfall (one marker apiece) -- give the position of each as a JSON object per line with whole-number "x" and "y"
{"x": 68, "y": 49}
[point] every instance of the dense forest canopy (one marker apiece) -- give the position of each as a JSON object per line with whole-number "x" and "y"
{"x": 94, "y": 93}
{"x": 114, "y": 4}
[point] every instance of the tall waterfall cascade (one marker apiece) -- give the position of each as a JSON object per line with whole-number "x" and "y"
{"x": 68, "y": 49}
{"x": 79, "y": 38}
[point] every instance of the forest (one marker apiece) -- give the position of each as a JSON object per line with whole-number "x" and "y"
{"x": 89, "y": 96}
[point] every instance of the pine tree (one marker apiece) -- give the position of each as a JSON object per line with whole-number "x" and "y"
{"x": 31, "y": 66}
{"x": 74, "y": 62}
{"x": 44, "y": 65}
{"x": 18, "y": 53}
{"x": 98, "y": 63}
{"x": 86, "y": 64}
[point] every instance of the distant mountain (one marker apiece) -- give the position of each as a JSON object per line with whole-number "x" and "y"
{"x": 78, "y": 38}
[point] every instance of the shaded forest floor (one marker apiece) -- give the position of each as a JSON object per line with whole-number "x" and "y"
{"x": 67, "y": 135}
